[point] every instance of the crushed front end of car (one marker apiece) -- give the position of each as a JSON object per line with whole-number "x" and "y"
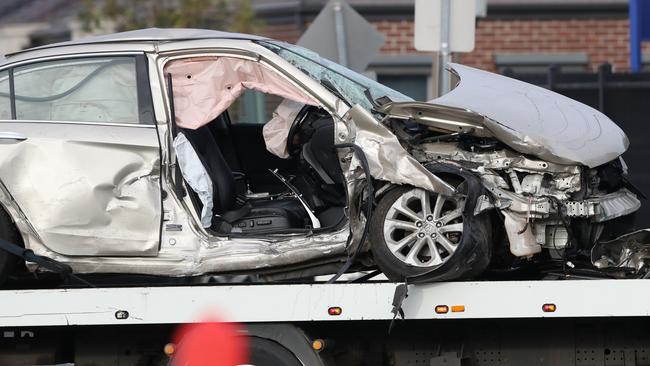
{"x": 551, "y": 169}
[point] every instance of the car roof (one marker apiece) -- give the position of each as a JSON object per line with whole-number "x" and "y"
{"x": 140, "y": 36}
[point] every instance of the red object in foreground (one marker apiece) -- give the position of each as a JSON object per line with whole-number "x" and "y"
{"x": 210, "y": 343}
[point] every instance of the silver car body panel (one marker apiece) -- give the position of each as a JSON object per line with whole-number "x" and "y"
{"x": 185, "y": 246}
{"x": 534, "y": 120}
{"x": 76, "y": 205}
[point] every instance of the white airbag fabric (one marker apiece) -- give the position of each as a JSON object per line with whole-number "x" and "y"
{"x": 204, "y": 87}
{"x": 276, "y": 130}
{"x": 195, "y": 175}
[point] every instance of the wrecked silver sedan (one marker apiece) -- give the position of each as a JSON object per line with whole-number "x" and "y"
{"x": 187, "y": 152}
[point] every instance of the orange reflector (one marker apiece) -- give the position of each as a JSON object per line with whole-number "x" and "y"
{"x": 169, "y": 349}
{"x": 318, "y": 345}
{"x": 457, "y": 308}
{"x": 549, "y": 308}
{"x": 334, "y": 310}
{"x": 442, "y": 309}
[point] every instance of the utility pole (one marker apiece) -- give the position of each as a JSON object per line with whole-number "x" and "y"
{"x": 339, "y": 28}
{"x": 444, "y": 55}
{"x": 445, "y": 27}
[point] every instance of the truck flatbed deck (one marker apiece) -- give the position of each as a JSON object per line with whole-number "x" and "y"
{"x": 311, "y": 302}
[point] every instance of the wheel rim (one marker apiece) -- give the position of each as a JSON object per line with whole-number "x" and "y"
{"x": 424, "y": 229}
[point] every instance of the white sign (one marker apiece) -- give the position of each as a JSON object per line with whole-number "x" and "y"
{"x": 462, "y": 24}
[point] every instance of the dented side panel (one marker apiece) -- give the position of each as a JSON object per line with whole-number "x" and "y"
{"x": 86, "y": 189}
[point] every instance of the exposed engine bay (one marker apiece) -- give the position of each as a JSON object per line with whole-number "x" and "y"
{"x": 568, "y": 213}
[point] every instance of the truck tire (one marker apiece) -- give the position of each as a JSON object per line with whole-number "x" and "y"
{"x": 264, "y": 352}
{"x": 404, "y": 233}
{"x": 8, "y": 232}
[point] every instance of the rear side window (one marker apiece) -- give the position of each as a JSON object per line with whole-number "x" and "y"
{"x": 81, "y": 90}
{"x": 5, "y": 102}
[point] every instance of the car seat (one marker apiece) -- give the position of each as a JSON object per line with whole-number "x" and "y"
{"x": 247, "y": 215}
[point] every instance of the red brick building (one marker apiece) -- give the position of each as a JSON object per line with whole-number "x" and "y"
{"x": 522, "y": 35}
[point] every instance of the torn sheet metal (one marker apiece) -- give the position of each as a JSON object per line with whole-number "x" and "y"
{"x": 497, "y": 159}
{"x": 536, "y": 121}
{"x": 204, "y": 87}
{"x": 86, "y": 189}
{"x": 631, "y": 250}
{"x": 195, "y": 175}
{"x": 548, "y": 179}
{"x": 387, "y": 159}
{"x": 437, "y": 117}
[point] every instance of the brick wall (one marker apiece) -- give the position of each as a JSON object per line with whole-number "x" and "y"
{"x": 603, "y": 40}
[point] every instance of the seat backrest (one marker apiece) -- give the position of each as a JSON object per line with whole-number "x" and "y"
{"x": 221, "y": 129}
{"x": 320, "y": 154}
{"x": 223, "y": 181}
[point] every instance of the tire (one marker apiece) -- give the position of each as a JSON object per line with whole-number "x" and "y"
{"x": 461, "y": 240}
{"x": 264, "y": 352}
{"x": 9, "y": 232}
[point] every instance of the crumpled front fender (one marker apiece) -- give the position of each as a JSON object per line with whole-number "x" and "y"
{"x": 387, "y": 159}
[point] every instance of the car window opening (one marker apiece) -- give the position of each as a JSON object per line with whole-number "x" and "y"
{"x": 292, "y": 183}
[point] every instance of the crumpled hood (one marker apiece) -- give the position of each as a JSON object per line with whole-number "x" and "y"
{"x": 534, "y": 120}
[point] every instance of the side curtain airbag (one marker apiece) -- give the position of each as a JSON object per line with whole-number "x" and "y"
{"x": 204, "y": 87}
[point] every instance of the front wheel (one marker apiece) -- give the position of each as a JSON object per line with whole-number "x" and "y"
{"x": 416, "y": 233}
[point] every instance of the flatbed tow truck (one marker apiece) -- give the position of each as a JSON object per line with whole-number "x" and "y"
{"x": 558, "y": 322}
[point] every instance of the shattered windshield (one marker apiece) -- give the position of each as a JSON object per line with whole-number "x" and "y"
{"x": 343, "y": 82}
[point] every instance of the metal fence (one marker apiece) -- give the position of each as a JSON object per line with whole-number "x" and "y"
{"x": 623, "y": 97}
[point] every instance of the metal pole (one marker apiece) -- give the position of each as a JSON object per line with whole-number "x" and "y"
{"x": 603, "y": 72}
{"x": 339, "y": 28}
{"x": 444, "y": 56}
{"x": 635, "y": 42}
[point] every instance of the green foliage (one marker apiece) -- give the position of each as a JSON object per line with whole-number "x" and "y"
{"x": 230, "y": 15}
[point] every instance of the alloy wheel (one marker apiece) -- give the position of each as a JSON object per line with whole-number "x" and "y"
{"x": 423, "y": 229}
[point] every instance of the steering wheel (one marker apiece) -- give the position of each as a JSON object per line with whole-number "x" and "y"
{"x": 301, "y": 117}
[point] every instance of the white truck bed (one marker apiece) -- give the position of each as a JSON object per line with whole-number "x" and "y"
{"x": 296, "y": 302}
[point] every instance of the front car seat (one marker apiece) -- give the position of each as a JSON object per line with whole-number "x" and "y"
{"x": 229, "y": 215}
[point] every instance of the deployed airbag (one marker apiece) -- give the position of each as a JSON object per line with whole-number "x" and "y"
{"x": 276, "y": 130}
{"x": 204, "y": 87}
{"x": 195, "y": 175}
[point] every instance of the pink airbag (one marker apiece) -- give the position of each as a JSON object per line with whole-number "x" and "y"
{"x": 204, "y": 87}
